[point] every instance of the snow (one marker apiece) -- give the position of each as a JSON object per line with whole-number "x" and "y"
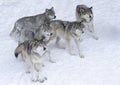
{"x": 101, "y": 65}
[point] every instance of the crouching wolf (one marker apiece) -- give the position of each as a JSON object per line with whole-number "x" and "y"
{"x": 84, "y": 13}
{"x": 68, "y": 30}
{"x": 32, "y": 22}
{"x": 33, "y": 52}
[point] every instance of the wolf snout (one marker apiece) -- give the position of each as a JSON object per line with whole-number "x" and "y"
{"x": 51, "y": 33}
{"x": 90, "y": 16}
{"x": 44, "y": 48}
{"x": 54, "y": 17}
{"x": 82, "y": 31}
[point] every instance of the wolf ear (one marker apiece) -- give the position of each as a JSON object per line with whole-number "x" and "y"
{"x": 46, "y": 10}
{"x": 52, "y": 8}
{"x": 91, "y": 8}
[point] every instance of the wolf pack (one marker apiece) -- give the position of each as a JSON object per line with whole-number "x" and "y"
{"x": 33, "y": 33}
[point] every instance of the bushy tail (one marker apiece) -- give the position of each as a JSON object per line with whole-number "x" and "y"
{"x": 18, "y": 50}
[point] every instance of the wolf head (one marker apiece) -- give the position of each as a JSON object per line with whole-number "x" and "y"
{"x": 50, "y": 13}
{"x": 44, "y": 32}
{"x": 78, "y": 31}
{"x": 76, "y": 28}
{"x": 84, "y": 12}
{"x": 39, "y": 47}
{"x": 15, "y": 34}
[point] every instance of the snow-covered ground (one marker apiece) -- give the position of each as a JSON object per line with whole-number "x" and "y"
{"x": 101, "y": 65}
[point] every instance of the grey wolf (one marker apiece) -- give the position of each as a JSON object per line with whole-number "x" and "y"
{"x": 42, "y": 32}
{"x": 33, "y": 52}
{"x": 84, "y": 13}
{"x": 68, "y": 30}
{"x": 31, "y": 22}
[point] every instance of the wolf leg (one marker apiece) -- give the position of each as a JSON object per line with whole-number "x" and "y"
{"x": 94, "y": 36}
{"x": 78, "y": 47}
{"x": 34, "y": 77}
{"x": 49, "y": 56}
{"x": 40, "y": 78}
{"x": 58, "y": 44}
{"x": 23, "y": 57}
{"x": 28, "y": 69}
{"x": 91, "y": 29}
{"x": 69, "y": 46}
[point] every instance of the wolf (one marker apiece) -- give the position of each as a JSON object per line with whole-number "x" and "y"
{"x": 42, "y": 32}
{"x": 84, "y": 13}
{"x": 32, "y": 22}
{"x": 33, "y": 52}
{"x": 67, "y": 30}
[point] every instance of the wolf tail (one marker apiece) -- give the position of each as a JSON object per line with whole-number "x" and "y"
{"x": 18, "y": 50}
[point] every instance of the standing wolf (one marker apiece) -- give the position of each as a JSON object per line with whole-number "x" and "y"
{"x": 68, "y": 30}
{"x": 32, "y": 22}
{"x": 84, "y": 13}
{"x": 32, "y": 52}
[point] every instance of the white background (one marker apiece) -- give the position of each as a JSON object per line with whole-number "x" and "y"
{"x": 101, "y": 65}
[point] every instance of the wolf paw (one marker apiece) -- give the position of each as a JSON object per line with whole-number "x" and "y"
{"x": 34, "y": 80}
{"x": 72, "y": 53}
{"x": 81, "y": 56}
{"x": 52, "y": 61}
{"x": 28, "y": 72}
{"x": 42, "y": 80}
{"x": 80, "y": 40}
{"x": 60, "y": 47}
{"x": 96, "y": 38}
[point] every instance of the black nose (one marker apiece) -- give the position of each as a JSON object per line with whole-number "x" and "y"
{"x": 51, "y": 33}
{"x": 54, "y": 16}
{"x": 44, "y": 48}
{"x": 90, "y": 16}
{"x": 82, "y": 31}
